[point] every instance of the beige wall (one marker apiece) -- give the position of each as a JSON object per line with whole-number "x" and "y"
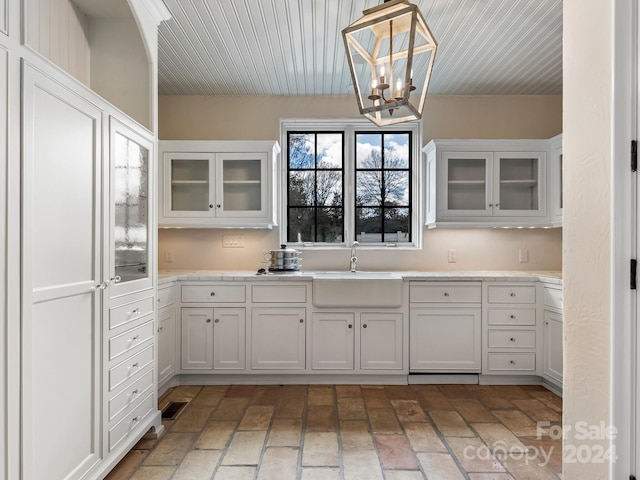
{"x": 257, "y": 118}
{"x": 587, "y": 221}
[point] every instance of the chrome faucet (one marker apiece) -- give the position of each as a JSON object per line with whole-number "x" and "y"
{"x": 354, "y": 260}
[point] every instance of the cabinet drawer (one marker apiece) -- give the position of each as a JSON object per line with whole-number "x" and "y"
{"x": 515, "y": 362}
{"x": 553, "y": 297}
{"x": 126, "y": 313}
{"x": 130, "y": 339}
{"x": 511, "y": 339}
{"x": 213, "y": 294}
{"x": 511, "y": 294}
{"x": 129, "y": 394}
{"x": 130, "y": 367}
{"x": 166, "y": 296}
{"x": 279, "y": 293}
{"x": 511, "y": 316}
{"x": 129, "y": 423}
{"x": 453, "y": 292}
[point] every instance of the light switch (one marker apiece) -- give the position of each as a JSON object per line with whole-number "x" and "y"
{"x": 453, "y": 256}
{"x": 233, "y": 241}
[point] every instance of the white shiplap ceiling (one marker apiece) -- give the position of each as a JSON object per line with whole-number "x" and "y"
{"x": 294, "y": 47}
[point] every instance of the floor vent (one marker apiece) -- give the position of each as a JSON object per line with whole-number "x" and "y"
{"x": 172, "y": 410}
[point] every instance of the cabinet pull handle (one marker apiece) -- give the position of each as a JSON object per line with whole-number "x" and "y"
{"x": 350, "y": 326}
{"x": 364, "y": 325}
{"x": 160, "y": 329}
{"x": 208, "y": 320}
{"x": 135, "y": 419}
{"x": 135, "y": 339}
{"x": 490, "y": 205}
{"x": 213, "y": 294}
{"x": 135, "y": 311}
{"x": 115, "y": 279}
{"x": 546, "y": 323}
{"x": 497, "y": 204}
{"x": 134, "y": 393}
{"x": 217, "y": 320}
{"x": 301, "y": 320}
{"x": 512, "y": 362}
{"x": 512, "y": 294}
{"x": 134, "y": 366}
{"x": 512, "y": 339}
{"x": 512, "y": 317}
{"x": 446, "y": 294}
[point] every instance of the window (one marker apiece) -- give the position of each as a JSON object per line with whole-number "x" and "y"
{"x": 346, "y": 181}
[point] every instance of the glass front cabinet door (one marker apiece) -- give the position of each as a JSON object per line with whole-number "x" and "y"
{"x": 131, "y": 257}
{"x": 202, "y": 186}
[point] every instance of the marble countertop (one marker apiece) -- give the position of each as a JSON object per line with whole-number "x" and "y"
{"x": 246, "y": 275}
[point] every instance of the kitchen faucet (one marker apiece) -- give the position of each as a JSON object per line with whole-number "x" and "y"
{"x": 354, "y": 260}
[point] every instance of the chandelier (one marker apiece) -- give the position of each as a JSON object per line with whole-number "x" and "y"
{"x": 390, "y": 51}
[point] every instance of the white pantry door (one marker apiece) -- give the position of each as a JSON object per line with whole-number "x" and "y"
{"x": 61, "y": 232}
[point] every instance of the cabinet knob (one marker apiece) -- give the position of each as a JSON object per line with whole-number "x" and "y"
{"x": 512, "y": 294}
{"x": 213, "y": 294}
{"x": 497, "y": 204}
{"x": 512, "y": 317}
{"x": 135, "y": 339}
{"x": 350, "y": 326}
{"x": 546, "y": 323}
{"x": 135, "y": 419}
{"x": 134, "y": 393}
{"x": 364, "y": 325}
{"x": 512, "y": 339}
{"x": 134, "y": 366}
{"x": 218, "y": 205}
{"x": 446, "y": 294}
{"x": 512, "y": 362}
{"x": 210, "y": 205}
{"x": 208, "y": 320}
{"x": 490, "y": 205}
{"x": 302, "y": 320}
{"x": 160, "y": 329}
{"x": 217, "y": 320}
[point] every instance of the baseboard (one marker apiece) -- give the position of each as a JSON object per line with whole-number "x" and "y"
{"x": 274, "y": 379}
{"x": 510, "y": 380}
{"x": 443, "y": 378}
{"x": 552, "y": 387}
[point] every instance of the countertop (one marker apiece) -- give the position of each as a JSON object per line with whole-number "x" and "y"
{"x": 246, "y": 275}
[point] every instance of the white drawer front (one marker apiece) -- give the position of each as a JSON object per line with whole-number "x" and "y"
{"x": 511, "y": 316}
{"x": 515, "y": 362}
{"x": 130, "y": 393}
{"x": 166, "y": 296}
{"x": 213, "y": 294}
{"x": 553, "y": 297}
{"x": 445, "y": 292}
{"x": 511, "y": 339}
{"x": 279, "y": 293}
{"x": 128, "y": 424}
{"x": 130, "y": 339}
{"x": 131, "y": 311}
{"x": 130, "y": 367}
{"x": 511, "y": 294}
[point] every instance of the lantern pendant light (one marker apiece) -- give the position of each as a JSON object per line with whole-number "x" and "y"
{"x": 391, "y": 42}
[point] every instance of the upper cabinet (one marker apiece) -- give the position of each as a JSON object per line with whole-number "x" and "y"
{"x": 555, "y": 180}
{"x": 4, "y": 13}
{"x": 102, "y": 45}
{"x": 488, "y": 183}
{"x": 131, "y": 151}
{"x": 217, "y": 184}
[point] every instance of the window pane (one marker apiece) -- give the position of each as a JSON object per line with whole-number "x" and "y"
{"x": 329, "y": 188}
{"x": 301, "y": 188}
{"x": 368, "y": 188}
{"x": 396, "y": 150}
{"x": 397, "y": 222}
{"x": 329, "y": 150}
{"x": 301, "y": 150}
{"x": 330, "y": 222}
{"x": 396, "y": 188}
{"x": 369, "y": 225}
{"x": 301, "y": 225}
{"x": 368, "y": 150}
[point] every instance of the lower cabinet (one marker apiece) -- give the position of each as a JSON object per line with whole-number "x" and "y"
{"x": 377, "y": 336}
{"x": 445, "y": 340}
{"x": 213, "y": 338}
{"x": 278, "y": 338}
{"x": 166, "y": 344}
{"x": 552, "y": 362}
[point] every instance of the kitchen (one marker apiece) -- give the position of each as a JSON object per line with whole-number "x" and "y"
{"x": 586, "y": 301}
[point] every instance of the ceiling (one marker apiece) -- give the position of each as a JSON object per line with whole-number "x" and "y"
{"x": 295, "y": 47}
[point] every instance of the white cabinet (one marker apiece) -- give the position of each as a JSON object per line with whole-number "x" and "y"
{"x": 381, "y": 341}
{"x": 217, "y": 184}
{"x": 375, "y": 338}
{"x": 213, "y": 338}
{"x": 445, "y": 326}
{"x": 166, "y": 333}
{"x": 511, "y": 338}
{"x": 555, "y": 181}
{"x": 553, "y": 335}
{"x": 486, "y": 182}
{"x": 278, "y": 338}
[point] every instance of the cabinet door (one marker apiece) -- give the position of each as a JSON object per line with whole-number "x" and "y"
{"x": 555, "y": 181}
{"x": 229, "y": 338}
{"x": 188, "y": 185}
{"x": 381, "y": 341}
{"x": 519, "y": 184}
{"x": 166, "y": 344}
{"x": 61, "y": 264}
{"x": 130, "y": 263}
{"x": 332, "y": 341}
{"x": 278, "y": 338}
{"x": 197, "y": 338}
{"x": 445, "y": 340}
{"x": 465, "y": 184}
{"x": 552, "y": 362}
{"x": 242, "y": 188}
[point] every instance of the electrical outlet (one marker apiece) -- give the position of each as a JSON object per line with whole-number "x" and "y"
{"x": 524, "y": 255}
{"x": 168, "y": 255}
{"x": 233, "y": 241}
{"x": 452, "y": 256}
